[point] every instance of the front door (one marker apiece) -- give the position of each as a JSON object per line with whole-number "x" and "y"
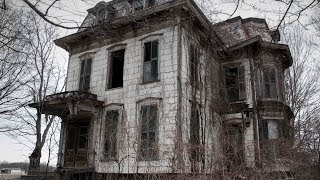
{"x": 77, "y": 145}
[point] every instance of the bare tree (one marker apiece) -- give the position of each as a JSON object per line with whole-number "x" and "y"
{"x": 302, "y": 93}
{"x": 46, "y": 77}
{"x": 13, "y": 61}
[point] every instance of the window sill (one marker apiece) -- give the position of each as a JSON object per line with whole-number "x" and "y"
{"x": 149, "y": 82}
{"x": 111, "y": 89}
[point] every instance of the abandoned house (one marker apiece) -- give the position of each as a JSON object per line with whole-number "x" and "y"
{"x": 153, "y": 87}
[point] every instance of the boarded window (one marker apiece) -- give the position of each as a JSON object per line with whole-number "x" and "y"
{"x": 235, "y": 83}
{"x": 270, "y": 88}
{"x": 138, "y": 5}
{"x": 150, "y": 66}
{"x": 85, "y": 75}
{"x": 149, "y": 132}
{"x": 194, "y": 63}
{"x": 116, "y": 69}
{"x": 110, "y": 146}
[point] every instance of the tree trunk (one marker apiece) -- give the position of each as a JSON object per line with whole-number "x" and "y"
{"x": 34, "y": 165}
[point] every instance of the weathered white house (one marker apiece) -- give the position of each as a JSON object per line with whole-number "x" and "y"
{"x": 154, "y": 88}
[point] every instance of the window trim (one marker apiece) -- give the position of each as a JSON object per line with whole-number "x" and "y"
{"x": 276, "y": 83}
{"x": 144, "y": 40}
{"x": 110, "y": 50}
{"x": 239, "y": 67}
{"x": 146, "y": 102}
{"x": 111, "y": 107}
{"x": 197, "y": 76}
{"x": 83, "y": 57}
{"x": 266, "y": 122}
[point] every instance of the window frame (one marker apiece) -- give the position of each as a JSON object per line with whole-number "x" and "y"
{"x": 152, "y": 59}
{"x": 150, "y": 101}
{"x": 88, "y": 56}
{"x": 150, "y": 38}
{"x": 111, "y": 107}
{"x": 268, "y": 70}
{"x": 266, "y": 129}
{"x": 194, "y": 68}
{"x": 111, "y": 50}
{"x": 240, "y": 79}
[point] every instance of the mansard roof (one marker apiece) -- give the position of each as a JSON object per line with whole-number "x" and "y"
{"x": 231, "y": 34}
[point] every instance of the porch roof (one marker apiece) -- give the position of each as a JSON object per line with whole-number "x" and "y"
{"x": 68, "y": 102}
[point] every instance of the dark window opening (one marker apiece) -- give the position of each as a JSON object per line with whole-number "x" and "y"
{"x": 150, "y": 65}
{"x": 149, "y": 132}
{"x": 138, "y": 5}
{"x": 110, "y": 145}
{"x": 71, "y": 138}
{"x": 270, "y": 89}
{"x": 196, "y": 152}
{"x": 194, "y": 63}
{"x": 83, "y": 135}
{"x": 235, "y": 83}
{"x": 85, "y": 75}
{"x": 116, "y": 69}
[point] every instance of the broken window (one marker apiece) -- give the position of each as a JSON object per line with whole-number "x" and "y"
{"x": 85, "y": 75}
{"x": 116, "y": 69}
{"x": 110, "y": 146}
{"x": 138, "y": 5}
{"x": 270, "y": 129}
{"x": 195, "y": 136}
{"x": 194, "y": 63}
{"x": 149, "y": 132}
{"x": 150, "y": 66}
{"x": 270, "y": 89}
{"x": 270, "y": 133}
{"x": 235, "y": 83}
{"x": 77, "y": 144}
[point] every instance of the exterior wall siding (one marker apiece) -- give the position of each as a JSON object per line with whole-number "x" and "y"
{"x": 132, "y": 91}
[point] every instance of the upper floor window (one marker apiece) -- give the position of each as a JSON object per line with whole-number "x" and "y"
{"x": 149, "y": 132}
{"x": 194, "y": 63}
{"x": 235, "y": 83}
{"x": 111, "y": 126}
{"x": 270, "y": 88}
{"x": 85, "y": 75}
{"x": 116, "y": 64}
{"x": 150, "y": 64}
